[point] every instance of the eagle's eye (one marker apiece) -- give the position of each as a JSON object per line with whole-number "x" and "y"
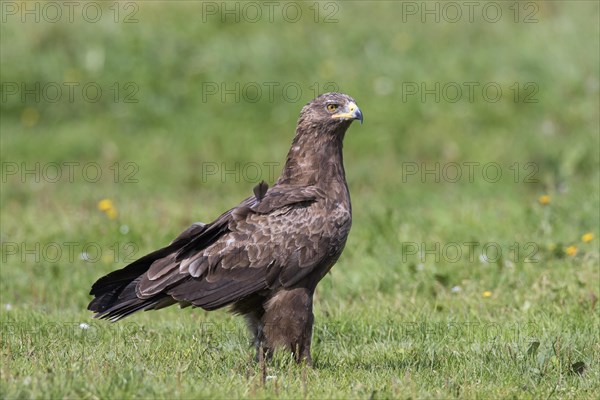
{"x": 332, "y": 107}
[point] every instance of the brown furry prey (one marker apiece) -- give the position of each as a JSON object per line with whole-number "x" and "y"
{"x": 264, "y": 257}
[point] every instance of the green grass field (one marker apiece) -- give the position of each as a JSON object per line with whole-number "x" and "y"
{"x": 472, "y": 268}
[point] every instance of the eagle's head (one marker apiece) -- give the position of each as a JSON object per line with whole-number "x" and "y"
{"x": 331, "y": 111}
{"x": 316, "y": 153}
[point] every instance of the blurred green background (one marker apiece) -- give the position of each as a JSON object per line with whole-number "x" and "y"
{"x": 190, "y": 86}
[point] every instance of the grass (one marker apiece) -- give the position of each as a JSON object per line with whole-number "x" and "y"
{"x": 448, "y": 287}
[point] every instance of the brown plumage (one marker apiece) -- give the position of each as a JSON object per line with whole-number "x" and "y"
{"x": 263, "y": 257}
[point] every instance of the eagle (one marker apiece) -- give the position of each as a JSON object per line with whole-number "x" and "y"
{"x": 264, "y": 257}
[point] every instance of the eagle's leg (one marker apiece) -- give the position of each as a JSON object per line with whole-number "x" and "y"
{"x": 252, "y": 308}
{"x": 263, "y": 350}
{"x": 288, "y": 322}
{"x": 255, "y": 325}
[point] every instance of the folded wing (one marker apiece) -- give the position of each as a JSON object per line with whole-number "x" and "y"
{"x": 273, "y": 239}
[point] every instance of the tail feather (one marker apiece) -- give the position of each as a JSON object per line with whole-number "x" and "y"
{"x": 115, "y": 293}
{"x": 122, "y": 277}
{"x": 128, "y": 307}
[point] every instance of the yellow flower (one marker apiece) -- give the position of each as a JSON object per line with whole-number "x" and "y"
{"x": 544, "y": 199}
{"x": 30, "y": 117}
{"x": 111, "y": 213}
{"x": 105, "y": 205}
{"x": 571, "y": 250}
{"x": 588, "y": 237}
{"x": 487, "y": 294}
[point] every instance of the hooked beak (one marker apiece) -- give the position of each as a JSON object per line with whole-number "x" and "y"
{"x": 351, "y": 111}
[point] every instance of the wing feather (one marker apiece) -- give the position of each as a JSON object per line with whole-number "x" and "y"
{"x": 266, "y": 244}
{"x": 273, "y": 239}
